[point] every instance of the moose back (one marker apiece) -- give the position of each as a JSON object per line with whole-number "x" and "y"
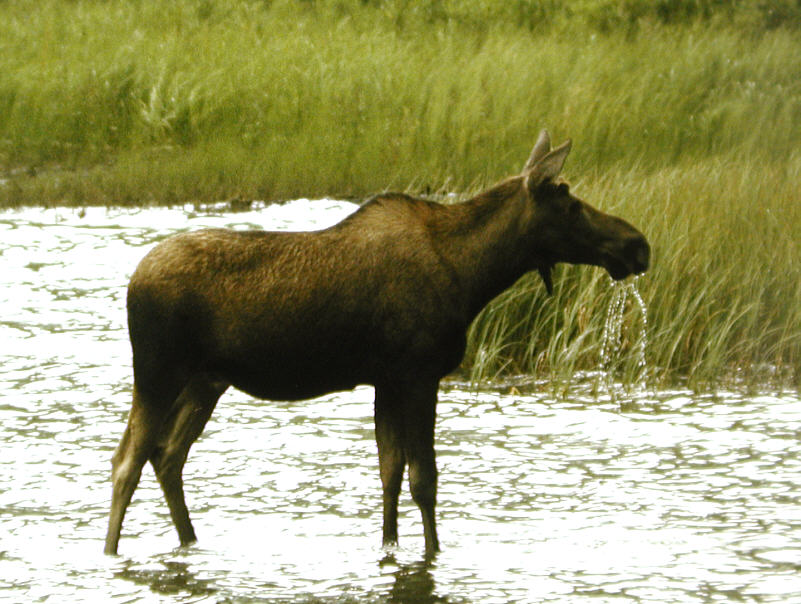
{"x": 384, "y": 298}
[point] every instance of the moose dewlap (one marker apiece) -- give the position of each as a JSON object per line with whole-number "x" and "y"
{"x": 384, "y": 298}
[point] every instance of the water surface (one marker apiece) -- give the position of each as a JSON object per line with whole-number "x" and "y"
{"x": 670, "y": 497}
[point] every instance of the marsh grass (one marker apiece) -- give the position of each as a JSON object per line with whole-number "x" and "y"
{"x": 722, "y": 294}
{"x": 141, "y": 101}
{"x": 685, "y": 116}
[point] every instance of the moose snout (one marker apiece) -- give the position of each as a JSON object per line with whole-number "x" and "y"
{"x": 638, "y": 253}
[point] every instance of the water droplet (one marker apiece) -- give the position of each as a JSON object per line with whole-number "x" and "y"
{"x": 612, "y": 353}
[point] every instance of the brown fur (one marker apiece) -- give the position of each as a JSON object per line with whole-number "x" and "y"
{"x": 383, "y": 298}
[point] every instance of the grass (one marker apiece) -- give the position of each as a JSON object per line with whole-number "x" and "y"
{"x": 722, "y": 293}
{"x": 685, "y": 116}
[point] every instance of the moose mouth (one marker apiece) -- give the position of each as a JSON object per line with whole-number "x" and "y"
{"x": 617, "y": 270}
{"x": 633, "y": 261}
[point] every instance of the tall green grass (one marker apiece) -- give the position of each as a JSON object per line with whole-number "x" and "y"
{"x": 124, "y": 102}
{"x": 685, "y": 116}
{"x": 722, "y": 294}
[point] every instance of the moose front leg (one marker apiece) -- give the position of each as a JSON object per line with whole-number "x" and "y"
{"x": 391, "y": 459}
{"x": 419, "y": 419}
{"x": 404, "y": 428}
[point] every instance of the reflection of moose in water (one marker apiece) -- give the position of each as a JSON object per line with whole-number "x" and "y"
{"x": 383, "y": 298}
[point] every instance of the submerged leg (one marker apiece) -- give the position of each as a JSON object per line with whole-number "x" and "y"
{"x": 419, "y": 419}
{"x": 138, "y": 441}
{"x": 391, "y": 459}
{"x": 184, "y": 425}
{"x": 404, "y": 428}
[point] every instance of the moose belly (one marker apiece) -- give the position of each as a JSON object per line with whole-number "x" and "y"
{"x": 292, "y": 376}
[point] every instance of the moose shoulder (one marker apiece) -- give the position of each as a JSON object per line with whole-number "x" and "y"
{"x": 383, "y": 298}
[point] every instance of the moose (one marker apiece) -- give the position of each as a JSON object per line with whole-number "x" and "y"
{"x": 383, "y": 298}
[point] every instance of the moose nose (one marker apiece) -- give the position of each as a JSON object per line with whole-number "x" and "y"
{"x": 639, "y": 252}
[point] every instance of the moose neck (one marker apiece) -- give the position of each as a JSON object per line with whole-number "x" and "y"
{"x": 486, "y": 243}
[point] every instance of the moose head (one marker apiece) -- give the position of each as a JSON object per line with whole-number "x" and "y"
{"x": 566, "y": 229}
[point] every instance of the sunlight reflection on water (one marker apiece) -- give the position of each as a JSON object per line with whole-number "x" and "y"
{"x": 671, "y": 497}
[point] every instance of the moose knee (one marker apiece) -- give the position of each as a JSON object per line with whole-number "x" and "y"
{"x": 167, "y": 463}
{"x": 116, "y": 460}
{"x": 123, "y": 466}
{"x": 423, "y": 484}
{"x": 125, "y": 475}
{"x": 120, "y": 451}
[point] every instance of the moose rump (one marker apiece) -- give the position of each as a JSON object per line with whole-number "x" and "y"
{"x": 384, "y": 298}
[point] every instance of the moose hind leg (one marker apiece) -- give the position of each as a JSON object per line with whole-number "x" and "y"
{"x": 186, "y": 421}
{"x": 391, "y": 460}
{"x": 130, "y": 456}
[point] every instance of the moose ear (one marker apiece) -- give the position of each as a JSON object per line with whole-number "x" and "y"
{"x": 541, "y": 148}
{"x": 549, "y": 167}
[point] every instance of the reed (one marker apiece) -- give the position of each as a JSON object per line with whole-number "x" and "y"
{"x": 722, "y": 294}
{"x": 685, "y": 118}
{"x": 131, "y": 102}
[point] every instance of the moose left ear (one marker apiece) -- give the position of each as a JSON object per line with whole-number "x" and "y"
{"x": 549, "y": 167}
{"x": 540, "y": 150}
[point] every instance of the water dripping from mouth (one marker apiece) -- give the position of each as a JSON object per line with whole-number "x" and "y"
{"x": 614, "y": 345}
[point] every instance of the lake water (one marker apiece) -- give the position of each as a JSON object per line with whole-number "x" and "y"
{"x": 668, "y": 497}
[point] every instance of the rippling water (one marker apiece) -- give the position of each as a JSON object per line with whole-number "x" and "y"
{"x": 669, "y": 497}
